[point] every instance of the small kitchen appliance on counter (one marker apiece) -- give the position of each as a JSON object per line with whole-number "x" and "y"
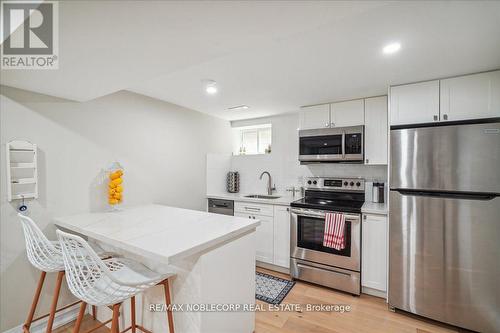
{"x": 233, "y": 182}
{"x": 378, "y": 192}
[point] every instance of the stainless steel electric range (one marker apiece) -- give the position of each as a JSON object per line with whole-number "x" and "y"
{"x": 310, "y": 260}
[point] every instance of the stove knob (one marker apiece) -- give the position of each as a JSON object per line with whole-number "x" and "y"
{"x": 346, "y": 183}
{"x": 315, "y": 182}
{"x": 358, "y": 184}
{"x": 351, "y": 183}
{"x": 309, "y": 182}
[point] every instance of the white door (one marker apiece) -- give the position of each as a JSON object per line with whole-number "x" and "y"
{"x": 349, "y": 113}
{"x": 317, "y": 116}
{"x": 374, "y": 252}
{"x": 376, "y": 130}
{"x": 264, "y": 236}
{"x": 282, "y": 236}
{"x": 415, "y": 103}
{"x": 471, "y": 96}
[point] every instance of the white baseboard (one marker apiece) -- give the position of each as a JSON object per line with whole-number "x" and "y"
{"x": 62, "y": 318}
{"x": 272, "y": 267}
{"x": 374, "y": 292}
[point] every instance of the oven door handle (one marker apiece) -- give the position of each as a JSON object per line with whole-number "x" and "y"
{"x": 350, "y": 217}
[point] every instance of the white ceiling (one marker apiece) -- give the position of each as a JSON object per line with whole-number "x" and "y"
{"x": 273, "y": 56}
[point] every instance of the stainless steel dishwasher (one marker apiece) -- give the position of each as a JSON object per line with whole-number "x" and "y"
{"x": 221, "y": 206}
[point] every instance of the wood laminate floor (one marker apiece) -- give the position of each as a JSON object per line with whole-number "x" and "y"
{"x": 368, "y": 314}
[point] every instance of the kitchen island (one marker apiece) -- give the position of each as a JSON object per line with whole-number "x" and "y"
{"x": 213, "y": 257}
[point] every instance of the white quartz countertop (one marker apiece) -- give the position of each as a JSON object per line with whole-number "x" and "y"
{"x": 283, "y": 200}
{"x": 374, "y": 208}
{"x": 158, "y": 232}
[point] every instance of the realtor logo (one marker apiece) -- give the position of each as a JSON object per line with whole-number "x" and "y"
{"x": 29, "y": 35}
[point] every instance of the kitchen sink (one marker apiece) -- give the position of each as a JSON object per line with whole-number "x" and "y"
{"x": 262, "y": 196}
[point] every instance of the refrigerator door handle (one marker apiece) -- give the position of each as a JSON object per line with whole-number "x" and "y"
{"x": 450, "y": 195}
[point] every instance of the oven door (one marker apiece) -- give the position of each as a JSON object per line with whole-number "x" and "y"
{"x": 326, "y": 144}
{"x": 306, "y": 242}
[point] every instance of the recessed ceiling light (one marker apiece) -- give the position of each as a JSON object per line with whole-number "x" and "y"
{"x": 210, "y": 87}
{"x": 391, "y": 48}
{"x": 238, "y": 107}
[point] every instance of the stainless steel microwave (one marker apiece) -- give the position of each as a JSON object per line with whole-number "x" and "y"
{"x": 340, "y": 144}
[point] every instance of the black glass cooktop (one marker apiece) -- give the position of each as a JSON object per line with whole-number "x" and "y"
{"x": 334, "y": 201}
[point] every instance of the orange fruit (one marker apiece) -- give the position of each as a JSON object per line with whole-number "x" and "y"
{"x": 113, "y": 201}
{"x": 119, "y": 188}
{"x": 117, "y": 196}
{"x": 114, "y": 175}
{"x": 117, "y": 181}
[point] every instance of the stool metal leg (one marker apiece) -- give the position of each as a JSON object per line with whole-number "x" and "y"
{"x": 36, "y": 297}
{"x": 55, "y": 298}
{"x": 170, "y": 316}
{"x": 79, "y": 319}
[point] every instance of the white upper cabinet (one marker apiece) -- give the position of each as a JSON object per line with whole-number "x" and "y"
{"x": 282, "y": 236}
{"x": 316, "y": 116}
{"x": 376, "y": 130}
{"x": 471, "y": 96}
{"x": 348, "y": 113}
{"x": 415, "y": 103}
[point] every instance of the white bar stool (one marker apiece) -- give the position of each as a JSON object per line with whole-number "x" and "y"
{"x": 46, "y": 256}
{"x": 108, "y": 282}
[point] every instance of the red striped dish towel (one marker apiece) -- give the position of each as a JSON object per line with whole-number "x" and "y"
{"x": 334, "y": 236}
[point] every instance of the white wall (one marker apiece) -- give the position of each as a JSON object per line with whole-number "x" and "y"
{"x": 162, "y": 146}
{"x": 283, "y": 162}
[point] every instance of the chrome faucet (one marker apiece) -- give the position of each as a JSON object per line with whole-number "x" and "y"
{"x": 270, "y": 188}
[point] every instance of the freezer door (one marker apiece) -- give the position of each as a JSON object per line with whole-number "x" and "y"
{"x": 444, "y": 258}
{"x": 447, "y": 158}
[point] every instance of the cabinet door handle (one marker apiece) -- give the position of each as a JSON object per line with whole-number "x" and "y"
{"x": 445, "y": 116}
{"x": 332, "y": 124}
{"x": 435, "y": 117}
{"x": 327, "y": 124}
{"x": 367, "y": 161}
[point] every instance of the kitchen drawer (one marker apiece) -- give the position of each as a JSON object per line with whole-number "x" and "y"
{"x": 253, "y": 208}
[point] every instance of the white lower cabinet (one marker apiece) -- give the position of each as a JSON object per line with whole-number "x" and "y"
{"x": 273, "y": 233}
{"x": 282, "y": 236}
{"x": 264, "y": 236}
{"x": 374, "y": 253}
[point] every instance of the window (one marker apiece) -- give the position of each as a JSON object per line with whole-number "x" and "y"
{"x": 252, "y": 140}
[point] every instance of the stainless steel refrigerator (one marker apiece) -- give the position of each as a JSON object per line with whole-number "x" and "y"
{"x": 444, "y": 231}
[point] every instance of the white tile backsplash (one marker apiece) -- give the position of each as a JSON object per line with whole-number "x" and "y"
{"x": 217, "y": 167}
{"x": 282, "y": 163}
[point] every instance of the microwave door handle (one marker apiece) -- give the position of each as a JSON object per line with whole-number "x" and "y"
{"x": 343, "y": 144}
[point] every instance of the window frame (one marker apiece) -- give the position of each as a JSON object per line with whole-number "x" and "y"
{"x": 257, "y": 129}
